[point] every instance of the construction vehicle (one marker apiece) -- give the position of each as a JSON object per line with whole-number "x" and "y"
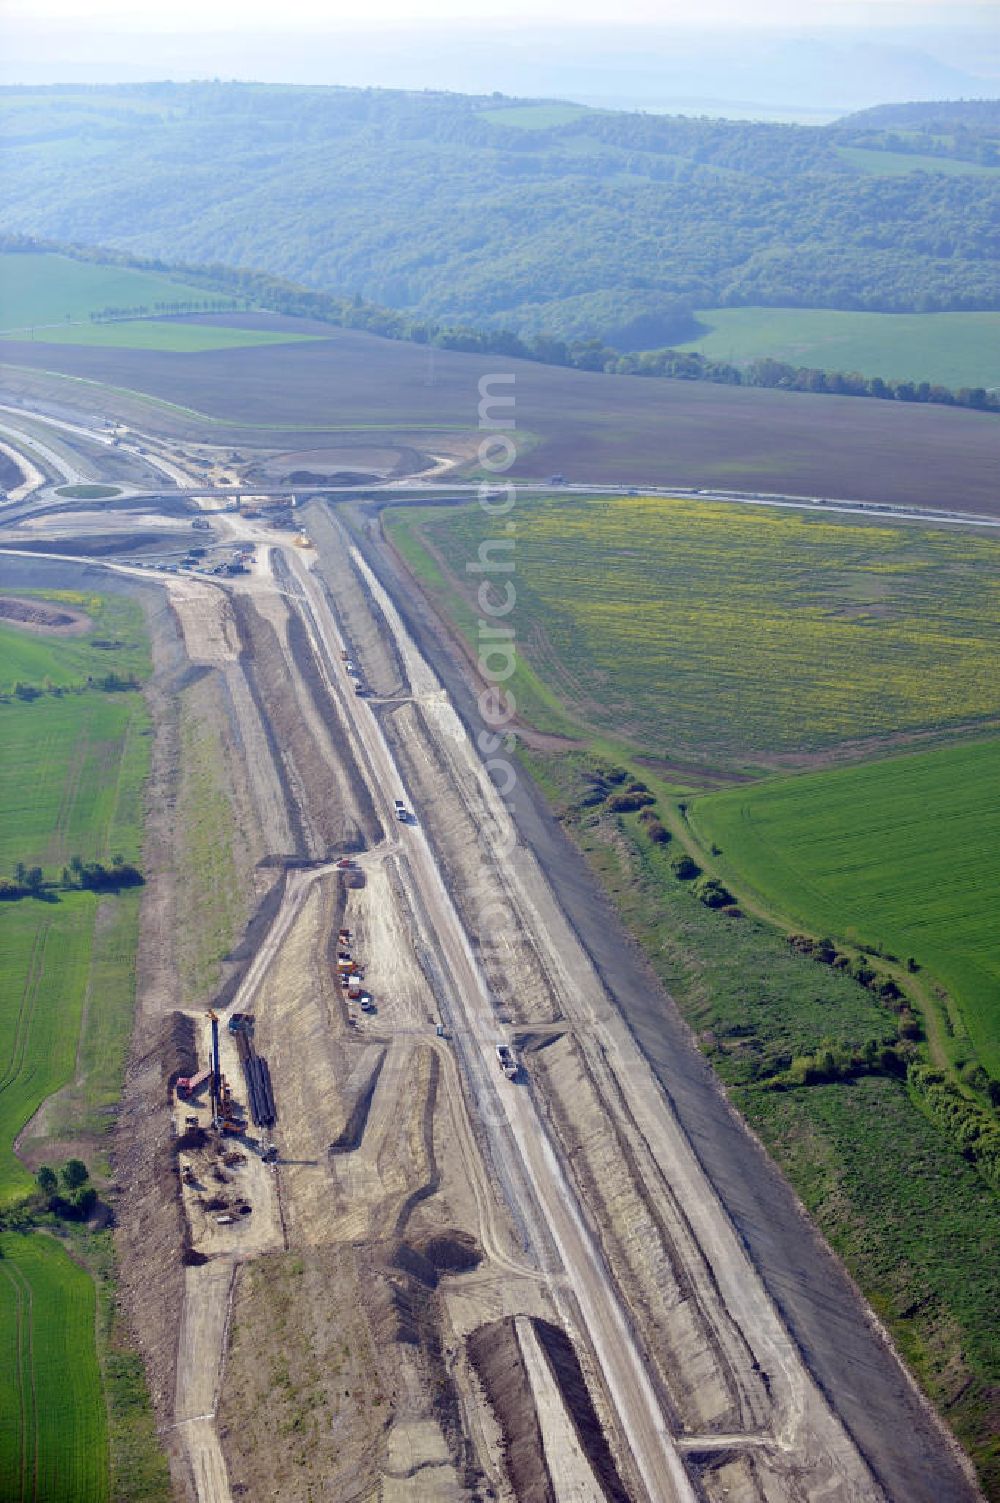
{"x": 241, "y": 1022}
{"x": 506, "y": 1060}
{"x": 400, "y": 809}
{"x": 216, "y": 1079}
{"x": 188, "y": 1084}
{"x": 301, "y": 541}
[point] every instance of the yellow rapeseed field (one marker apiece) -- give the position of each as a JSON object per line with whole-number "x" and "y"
{"x": 688, "y": 625}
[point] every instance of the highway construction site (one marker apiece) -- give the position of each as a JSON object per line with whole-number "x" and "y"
{"x": 432, "y": 1195}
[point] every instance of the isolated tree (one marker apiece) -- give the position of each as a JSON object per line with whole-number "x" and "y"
{"x": 84, "y": 1202}
{"x": 46, "y": 1180}
{"x": 75, "y": 1174}
{"x": 33, "y": 878}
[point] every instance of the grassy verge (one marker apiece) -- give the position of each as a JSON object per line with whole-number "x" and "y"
{"x": 84, "y": 492}
{"x": 211, "y": 899}
{"x": 139, "y": 1472}
{"x": 902, "y": 1207}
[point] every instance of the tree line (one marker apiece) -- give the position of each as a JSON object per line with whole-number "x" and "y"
{"x": 259, "y": 289}
{"x": 77, "y": 876}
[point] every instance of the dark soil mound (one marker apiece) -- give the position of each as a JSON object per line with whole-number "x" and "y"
{"x": 35, "y": 615}
{"x": 451, "y": 1251}
{"x": 569, "y": 1375}
{"x": 495, "y": 1353}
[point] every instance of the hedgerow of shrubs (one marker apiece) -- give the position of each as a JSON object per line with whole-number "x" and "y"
{"x": 972, "y": 1128}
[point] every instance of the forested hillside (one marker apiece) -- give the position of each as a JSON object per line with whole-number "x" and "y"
{"x": 534, "y": 217}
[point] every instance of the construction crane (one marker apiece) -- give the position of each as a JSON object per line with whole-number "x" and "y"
{"x": 216, "y": 1085}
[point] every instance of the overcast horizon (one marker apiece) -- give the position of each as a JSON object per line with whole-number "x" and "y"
{"x": 658, "y": 57}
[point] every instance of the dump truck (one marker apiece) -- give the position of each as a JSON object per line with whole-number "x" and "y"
{"x": 507, "y": 1060}
{"x": 401, "y": 810}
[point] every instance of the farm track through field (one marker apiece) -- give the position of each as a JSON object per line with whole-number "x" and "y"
{"x": 70, "y": 789}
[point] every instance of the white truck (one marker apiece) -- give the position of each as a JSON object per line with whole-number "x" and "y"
{"x": 507, "y": 1060}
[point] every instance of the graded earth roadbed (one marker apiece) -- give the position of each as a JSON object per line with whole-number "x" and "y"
{"x": 903, "y": 1441}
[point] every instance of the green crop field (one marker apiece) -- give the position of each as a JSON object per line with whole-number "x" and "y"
{"x": 151, "y": 334}
{"x": 73, "y": 762}
{"x": 535, "y": 116}
{"x": 115, "y": 641}
{"x": 53, "y": 1422}
{"x": 70, "y": 783}
{"x": 72, "y": 766}
{"x": 902, "y": 853}
{"x": 734, "y": 633}
{"x": 36, "y": 290}
{"x": 897, "y": 163}
{"x": 949, "y": 349}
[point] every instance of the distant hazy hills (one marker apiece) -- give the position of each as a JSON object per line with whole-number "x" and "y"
{"x": 531, "y": 215}
{"x": 809, "y": 71}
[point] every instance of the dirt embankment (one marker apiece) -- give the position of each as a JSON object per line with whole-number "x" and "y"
{"x": 568, "y": 1374}
{"x": 43, "y": 617}
{"x": 11, "y": 474}
{"x": 152, "y": 1233}
{"x": 330, "y": 807}
{"x": 496, "y": 1357}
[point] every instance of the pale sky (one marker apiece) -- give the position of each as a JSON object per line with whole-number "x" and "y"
{"x": 215, "y": 15}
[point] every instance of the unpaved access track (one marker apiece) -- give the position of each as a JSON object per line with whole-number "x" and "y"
{"x": 449, "y": 1283}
